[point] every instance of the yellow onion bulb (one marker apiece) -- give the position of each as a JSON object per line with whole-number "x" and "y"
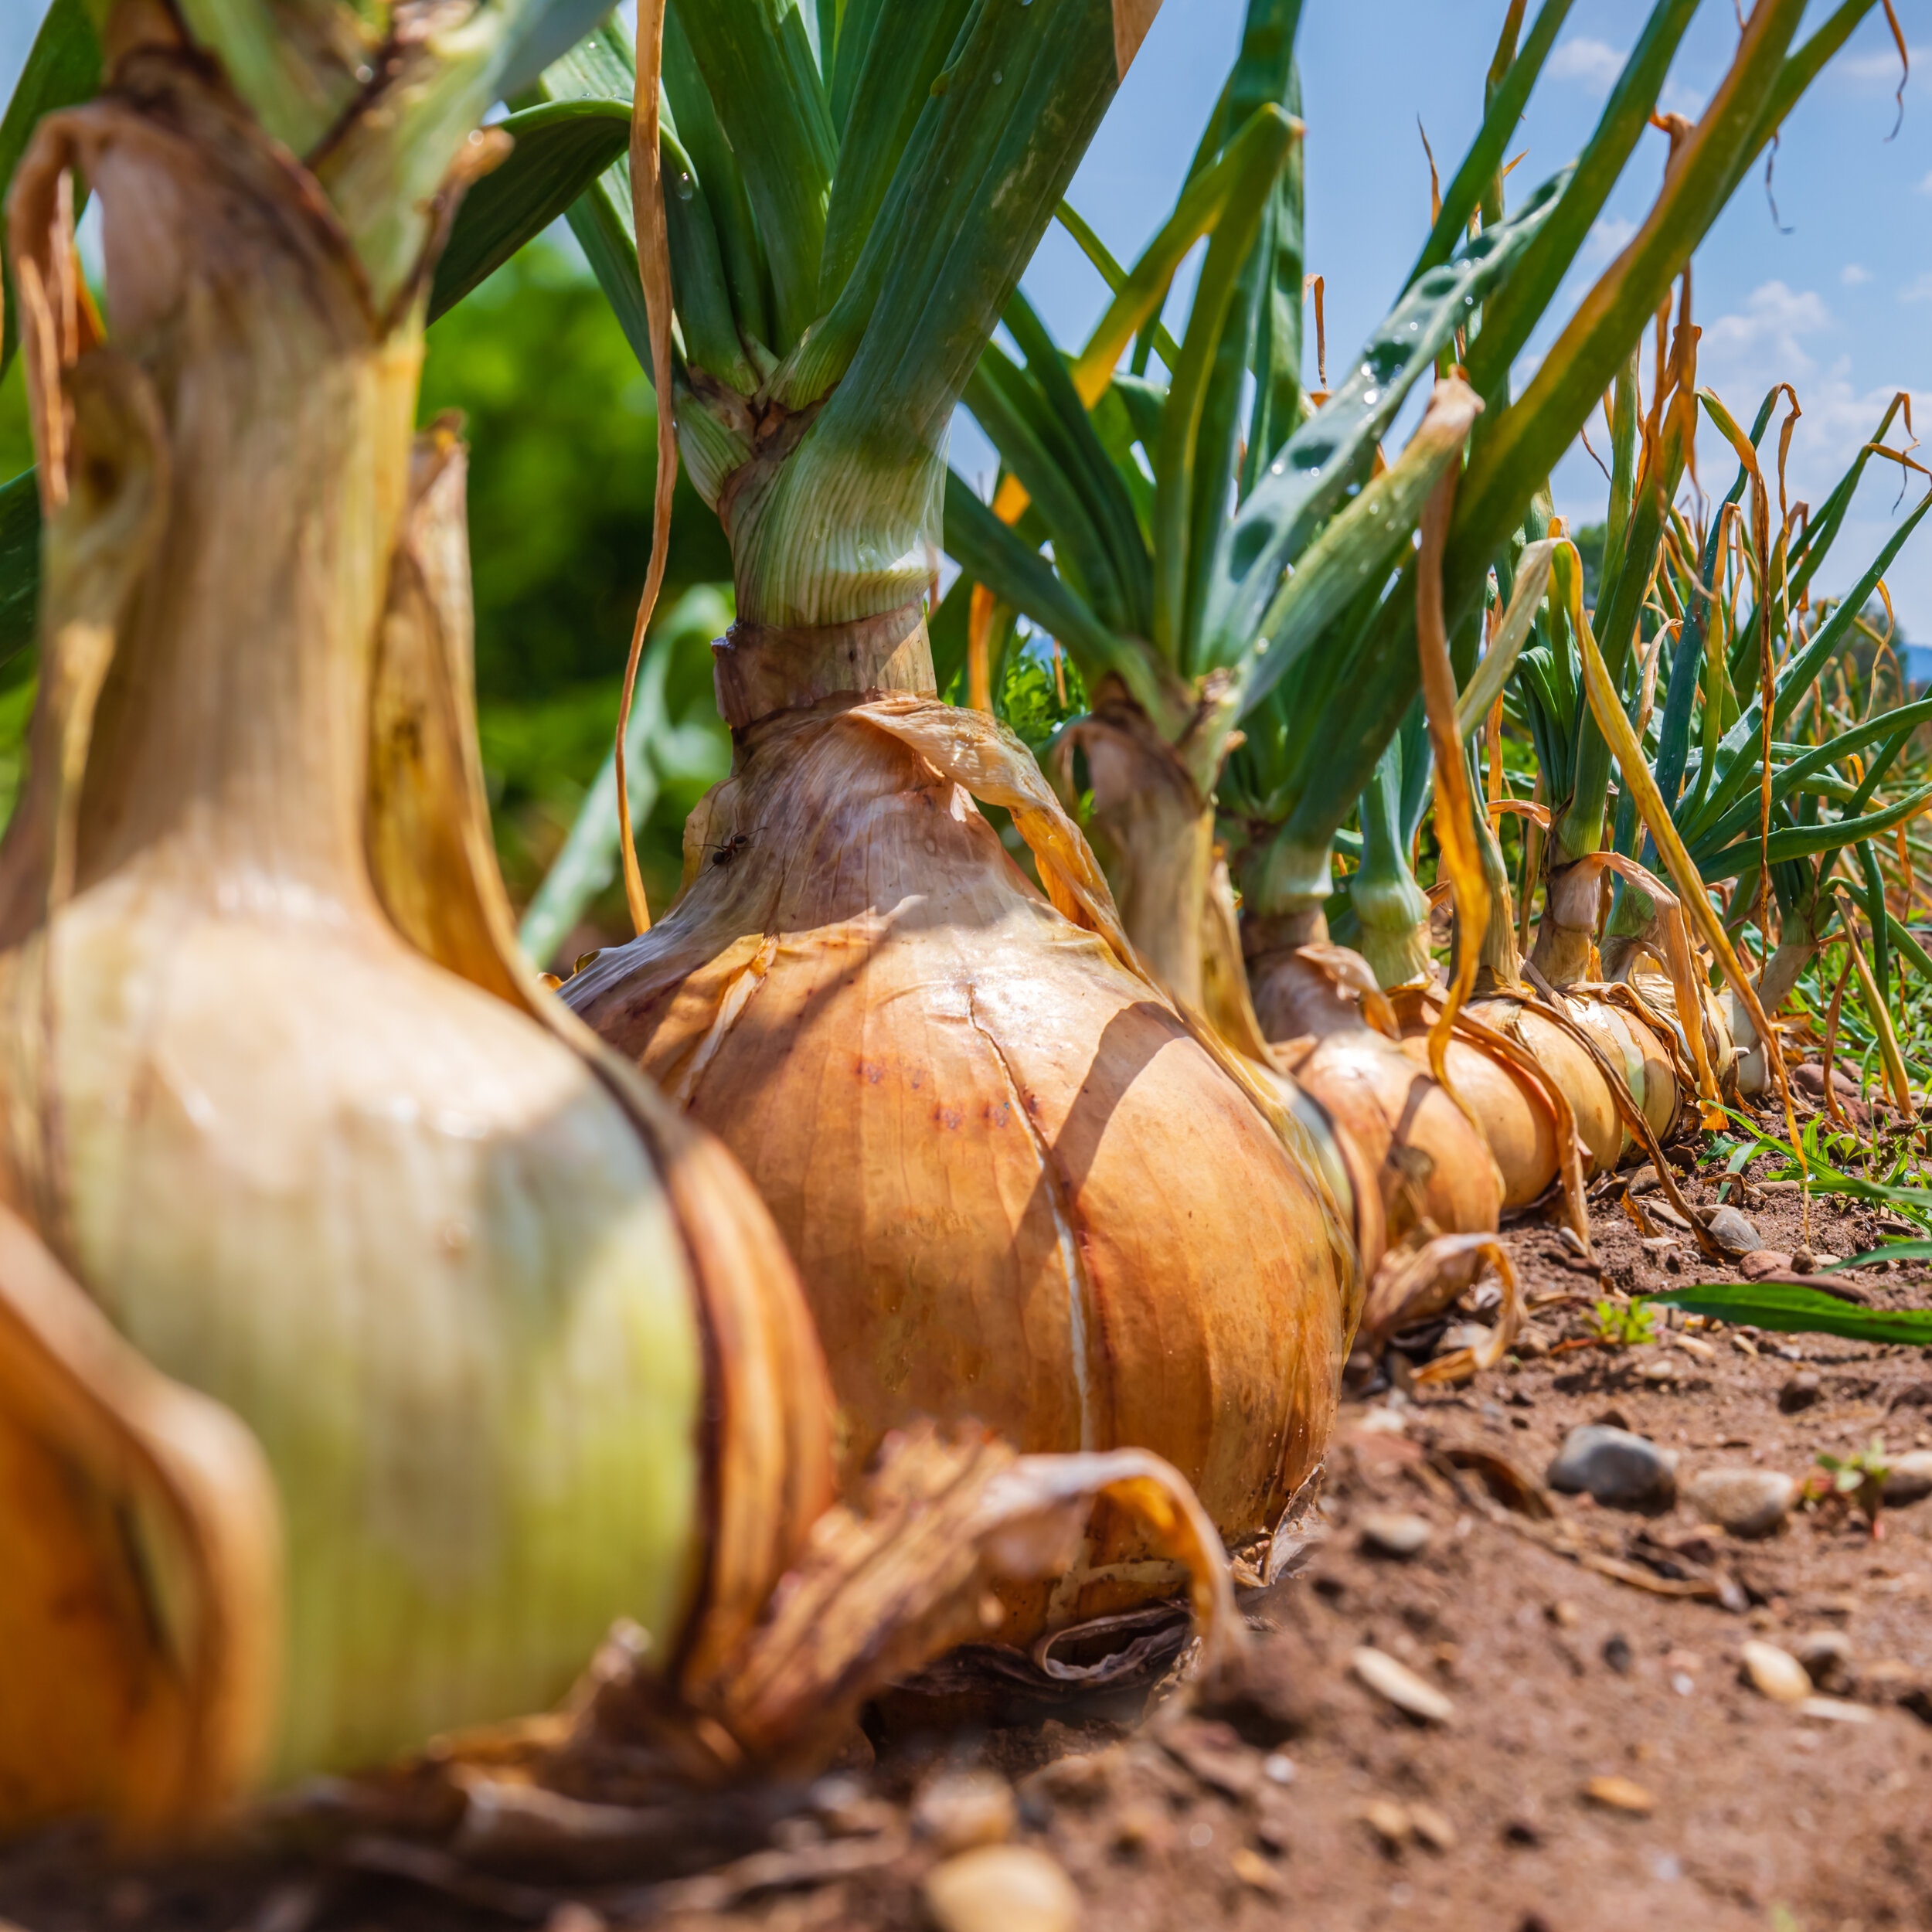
{"x": 1016, "y": 1186}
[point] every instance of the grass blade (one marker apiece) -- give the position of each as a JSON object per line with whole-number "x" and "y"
{"x": 1794, "y": 1310}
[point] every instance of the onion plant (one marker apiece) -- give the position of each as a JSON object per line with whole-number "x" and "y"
{"x": 368, "y": 1342}
{"x": 957, "y": 1097}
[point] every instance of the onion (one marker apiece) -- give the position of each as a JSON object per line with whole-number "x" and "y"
{"x": 521, "y": 1352}
{"x": 1434, "y": 1172}
{"x": 1018, "y": 1184}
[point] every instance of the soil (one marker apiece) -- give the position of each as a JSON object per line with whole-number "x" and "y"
{"x": 1300, "y": 1797}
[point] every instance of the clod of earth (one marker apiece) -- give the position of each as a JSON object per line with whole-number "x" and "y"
{"x": 1800, "y": 1391}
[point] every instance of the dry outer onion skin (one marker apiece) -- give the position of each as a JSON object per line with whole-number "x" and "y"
{"x": 139, "y": 1569}
{"x": 1016, "y": 1186}
{"x": 490, "y": 1337}
{"x": 1431, "y": 1165}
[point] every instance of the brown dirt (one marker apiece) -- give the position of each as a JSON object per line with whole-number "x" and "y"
{"x": 1304, "y": 1798}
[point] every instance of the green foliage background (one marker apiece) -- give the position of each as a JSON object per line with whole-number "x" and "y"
{"x": 562, "y": 427}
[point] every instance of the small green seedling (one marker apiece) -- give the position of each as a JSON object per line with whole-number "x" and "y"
{"x": 1624, "y": 1324}
{"x": 1860, "y": 1477}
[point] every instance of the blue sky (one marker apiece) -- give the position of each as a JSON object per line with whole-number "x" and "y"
{"x": 1839, "y": 302}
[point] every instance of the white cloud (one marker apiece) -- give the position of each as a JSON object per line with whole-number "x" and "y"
{"x": 1764, "y": 342}
{"x": 1878, "y": 67}
{"x": 1918, "y": 289}
{"x": 1854, "y": 274}
{"x": 1606, "y": 237}
{"x": 1925, "y": 183}
{"x": 1595, "y": 64}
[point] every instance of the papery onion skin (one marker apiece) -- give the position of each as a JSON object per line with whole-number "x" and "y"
{"x": 1431, "y": 1165}
{"x": 470, "y": 1293}
{"x": 1015, "y": 1187}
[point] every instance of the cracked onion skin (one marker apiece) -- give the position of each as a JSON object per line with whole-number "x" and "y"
{"x": 1015, "y": 1187}
{"x": 518, "y": 1351}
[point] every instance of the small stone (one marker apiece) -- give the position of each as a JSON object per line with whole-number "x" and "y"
{"x": 1660, "y": 1371}
{"x": 1836, "y": 1710}
{"x": 1745, "y": 1501}
{"x": 1826, "y": 1655}
{"x": 1733, "y": 1231}
{"x": 1762, "y": 1261}
{"x": 1432, "y": 1827}
{"x": 1531, "y": 1342}
{"x": 1256, "y": 1872}
{"x": 1001, "y": 1888}
{"x": 1565, "y": 1614}
{"x": 1777, "y": 1673}
{"x": 1619, "y": 1793}
{"x": 1141, "y": 1827}
{"x": 1908, "y": 1480}
{"x": 1388, "y": 1533}
{"x": 1661, "y": 1211}
{"x": 1620, "y": 1470}
{"x": 1278, "y": 1768}
{"x": 1400, "y": 1686}
{"x": 960, "y": 1810}
{"x": 1616, "y": 1653}
{"x": 1694, "y": 1347}
{"x": 1463, "y": 1335}
{"x": 1804, "y": 1261}
{"x": 1800, "y": 1391}
{"x": 1389, "y": 1820}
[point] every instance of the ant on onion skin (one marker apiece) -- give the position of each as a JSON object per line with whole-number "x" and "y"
{"x": 729, "y": 848}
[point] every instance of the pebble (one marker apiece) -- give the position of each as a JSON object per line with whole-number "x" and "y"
{"x": 1255, "y": 1872}
{"x": 1733, "y": 1231}
{"x": 1390, "y": 1534}
{"x": 1762, "y": 1261}
{"x": 1616, "y": 1653}
{"x": 1800, "y": 1391}
{"x": 1745, "y": 1501}
{"x": 1836, "y": 1710}
{"x": 1432, "y": 1827}
{"x": 1463, "y": 1335}
{"x": 1531, "y": 1342}
{"x": 1001, "y": 1888}
{"x": 1387, "y": 1820}
{"x": 1910, "y": 1478}
{"x": 1620, "y": 1470}
{"x": 1622, "y": 1794}
{"x": 1825, "y": 1653}
{"x": 1662, "y": 1370}
{"x": 960, "y": 1810}
{"x": 1400, "y": 1685}
{"x": 1777, "y": 1673}
{"x": 1662, "y": 1211}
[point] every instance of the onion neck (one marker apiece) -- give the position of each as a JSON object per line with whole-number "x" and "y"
{"x": 1392, "y": 908}
{"x": 1567, "y": 928}
{"x": 760, "y": 669}
{"x": 1500, "y": 962}
{"x": 233, "y": 726}
{"x": 1153, "y": 831}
